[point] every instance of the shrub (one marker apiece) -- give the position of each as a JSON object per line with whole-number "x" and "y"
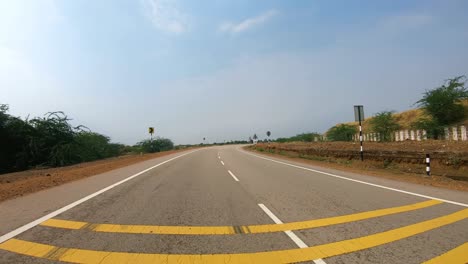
{"x": 304, "y": 137}
{"x": 385, "y": 124}
{"x": 155, "y": 145}
{"x": 341, "y": 132}
{"x": 49, "y": 141}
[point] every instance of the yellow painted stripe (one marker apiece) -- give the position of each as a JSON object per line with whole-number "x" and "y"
{"x": 457, "y": 255}
{"x": 64, "y": 224}
{"x": 280, "y": 256}
{"x": 230, "y": 230}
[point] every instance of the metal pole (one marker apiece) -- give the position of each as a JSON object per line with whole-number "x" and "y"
{"x": 428, "y": 165}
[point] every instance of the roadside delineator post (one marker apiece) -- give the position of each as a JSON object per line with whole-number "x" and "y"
{"x": 428, "y": 165}
{"x": 151, "y": 132}
{"x": 359, "y": 116}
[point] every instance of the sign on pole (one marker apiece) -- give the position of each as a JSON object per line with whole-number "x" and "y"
{"x": 359, "y": 117}
{"x": 151, "y": 130}
{"x": 358, "y": 113}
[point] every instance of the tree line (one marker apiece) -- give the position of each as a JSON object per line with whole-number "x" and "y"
{"x": 52, "y": 141}
{"x": 442, "y": 106}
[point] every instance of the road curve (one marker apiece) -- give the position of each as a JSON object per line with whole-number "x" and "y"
{"x": 223, "y": 204}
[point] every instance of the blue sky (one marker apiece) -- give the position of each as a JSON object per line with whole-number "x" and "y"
{"x": 224, "y": 69}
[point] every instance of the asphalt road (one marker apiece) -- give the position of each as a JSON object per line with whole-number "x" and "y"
{"x": 224, "y": 205}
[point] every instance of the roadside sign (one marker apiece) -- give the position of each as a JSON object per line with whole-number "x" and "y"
{"x": 151, "y": 130}
{"x": 358, "y": 113}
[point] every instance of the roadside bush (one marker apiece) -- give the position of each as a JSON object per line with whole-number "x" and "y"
{"x": 385, "y": 124}
{"x": 156, "y": 145}
{"x": 48, "y": 141}
{"x": 341, "y": 132}
{"x": 53, "y": 140}
{"x": 93, "y": 146}
{"x": 433, "y": 129}
{"x": 15, "y": 139}
{"x": 304, "y": 137}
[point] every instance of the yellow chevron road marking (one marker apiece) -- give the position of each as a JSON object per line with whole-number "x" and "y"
{"x": 230, "y": 230}
{"x": 280, "y": 256}
{"x": 457, "y": 255}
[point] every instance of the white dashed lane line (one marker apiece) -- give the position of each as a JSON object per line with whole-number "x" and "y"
{"x": 233, "y": 176}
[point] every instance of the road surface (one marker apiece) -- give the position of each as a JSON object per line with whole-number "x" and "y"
{"x": 226, "y": 205}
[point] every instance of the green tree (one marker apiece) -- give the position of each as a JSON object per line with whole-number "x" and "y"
{"x": 444, "y": 103}
{"x": 385, "y": 124}
{"x": 341, "y": 132}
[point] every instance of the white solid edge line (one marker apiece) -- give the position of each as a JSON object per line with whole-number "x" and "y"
{"x": 233, "y": 176}
{"x": 358, "y": 181}
{"x": 36, "y": 222}
{"x": 222, "y": 162}
{"x": 289, "y": 233}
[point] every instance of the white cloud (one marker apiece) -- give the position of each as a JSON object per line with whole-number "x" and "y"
{"x": 165, "y": 15}
{"x": 247, "y": 23}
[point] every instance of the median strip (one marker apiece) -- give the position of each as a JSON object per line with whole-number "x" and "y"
{"x": 281, "y": 256}
{"x": 230, "y": 230}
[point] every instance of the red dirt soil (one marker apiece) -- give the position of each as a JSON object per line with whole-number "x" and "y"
{"x": 24, "y": 182}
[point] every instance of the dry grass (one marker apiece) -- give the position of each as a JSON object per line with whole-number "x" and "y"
{"x": 406, "y": 118}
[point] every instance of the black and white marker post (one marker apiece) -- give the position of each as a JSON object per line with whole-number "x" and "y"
{"x": 359, "y": 116}
{"x": 151, "y": 132}
{"x": 428, "y": 165}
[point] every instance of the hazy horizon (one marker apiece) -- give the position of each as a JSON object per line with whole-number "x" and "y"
{"x": 224, "y": 70}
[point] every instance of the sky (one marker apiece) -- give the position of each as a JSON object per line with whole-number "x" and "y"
{"x": 221, "y": 69}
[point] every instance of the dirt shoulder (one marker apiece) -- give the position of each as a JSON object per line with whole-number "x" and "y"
{"x": 404, "y": 172}
{"x": 25, "y": 182}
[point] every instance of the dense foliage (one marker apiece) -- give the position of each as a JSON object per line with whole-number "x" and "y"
{"x": 304, "y": 137}
{"x": 385, "y": 124}
{"x": 155, "y": 145}
{"x": 52, "y": 141}
{"x": 341, "y": 132}
{"x": 443, "y": 105}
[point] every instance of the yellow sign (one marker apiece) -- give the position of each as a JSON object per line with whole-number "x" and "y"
{"x": 151, "y": 130}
